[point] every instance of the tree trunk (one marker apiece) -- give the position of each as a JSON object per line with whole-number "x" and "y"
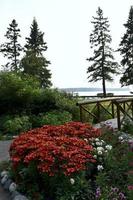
{"x": 104, "y": 87}
{"x": 15, "y": 53}
{"x": 103, "y": 77}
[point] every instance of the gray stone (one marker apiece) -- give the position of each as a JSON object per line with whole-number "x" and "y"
{"x": 12, "y": 187}
{"x": 3, "y": 173}
{"x": 14, "y": 194}
{"x": 7, "y": 184}
{"x": 4, "y": 179}
{"x": 20, "y": 197}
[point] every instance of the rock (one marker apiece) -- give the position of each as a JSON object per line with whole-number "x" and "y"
{"x": 3, "y": 173}
{"x": 12, "y": 187}
{"x": 7, "y": 184}
{"x": 14, "y": 194}
{"x": 20, "y": 197}
{"x": 4, "y": 179}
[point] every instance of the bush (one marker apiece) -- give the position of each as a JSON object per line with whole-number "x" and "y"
{"x": 21, "y": 94}
{"x": 16, "y": 92}
{"x": 128, "y": 126}
{"x": 117, "y": 162}
{"x": 50, "y": 118}
{"x": 14, "y": 124}
{"x": 57, "y": 163}
{"x": 51, "y": 99}
{"x": 48, "y": 158}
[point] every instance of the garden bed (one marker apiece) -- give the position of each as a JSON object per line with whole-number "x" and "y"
{"x": 73, "y": 162}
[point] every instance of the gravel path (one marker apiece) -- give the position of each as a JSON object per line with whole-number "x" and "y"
{"x": 4, "y": 155}
{"x": 4, "y": 195}
{"x": 4, "y": 148}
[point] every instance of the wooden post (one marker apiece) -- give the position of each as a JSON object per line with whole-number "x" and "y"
{"x": 98, "y": 111}
{"x": 124, "y": 105}
{"x": 113, "y": 113}
{"x": 132, "y": 108}
{"x": 118, "y": 116}
{"x": 81, "y": 113}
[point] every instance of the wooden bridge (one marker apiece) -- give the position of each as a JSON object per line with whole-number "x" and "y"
{"x": 101, "y": 109}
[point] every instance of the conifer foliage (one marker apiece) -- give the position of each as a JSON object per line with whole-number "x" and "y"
{"x": 11, "y": 49}
{"x": 36, "y": 42}
{"x": 34, "y": 63}
{"x": 102, "y": 62}
{"x": 126, "y": 50}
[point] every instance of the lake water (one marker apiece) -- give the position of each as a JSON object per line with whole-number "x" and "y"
{"x": 94, "y": 93}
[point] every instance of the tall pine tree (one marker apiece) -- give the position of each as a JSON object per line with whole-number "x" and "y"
{"x": 102, "y": 62}
{"x": 126, "y": 50}
{"x": 36, "y": 42}
{"x": 11, "y": 49}
{"x": 34, "y": 63}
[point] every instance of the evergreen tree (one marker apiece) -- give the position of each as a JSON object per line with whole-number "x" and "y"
{"x": 126, "y": 50}
{"x": 102, "y": 62}
{"x": 36, "y": 66}
{"x": 34, "y": 63}
{"x": 36, "y": 42}
{"x": 11, "y": 49}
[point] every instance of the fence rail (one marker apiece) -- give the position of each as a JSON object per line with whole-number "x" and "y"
{"x": 116, "y": 107}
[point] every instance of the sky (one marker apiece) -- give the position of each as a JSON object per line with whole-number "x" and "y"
{"x": 67, "y": 26}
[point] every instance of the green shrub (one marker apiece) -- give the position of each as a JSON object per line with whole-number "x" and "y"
{"x": 116, "y": 163}
{"x": 51, "y": 99}
{"x": 128, "y": 126}
{"x": 57, "y": 118}
{"x": 51, "y": 118}
{"x": 16, "y": 92}
{"x": 21, "y": 94}
{"x": 15, "y": 125}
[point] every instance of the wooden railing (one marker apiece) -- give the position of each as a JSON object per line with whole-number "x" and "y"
{"x": 114, "y": 107}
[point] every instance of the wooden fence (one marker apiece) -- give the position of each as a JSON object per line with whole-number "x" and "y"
{"x": 114, "y": 107}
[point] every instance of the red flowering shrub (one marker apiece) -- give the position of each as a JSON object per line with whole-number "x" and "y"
{"x": 55, "y": 149}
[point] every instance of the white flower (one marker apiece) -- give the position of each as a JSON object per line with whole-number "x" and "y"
{"x": 103, "y": 142}
{"x": 99, "y": 152}
{"x": 14, "y": 136}
{"x": 85, "y": 139}
{"x": 72, "y": 181}
{"x": 95, "y": 156}
{"x": 97, "y": 139}
{"x": 98, "y": 143}
{"x": 92, "y": 139}
{"x": 120, "y": 138}
{"x": 12, "y": 187}
{"x": 100, "y": 149}
{"x": 108, "y": 147}
{"x": 100, "y": 167}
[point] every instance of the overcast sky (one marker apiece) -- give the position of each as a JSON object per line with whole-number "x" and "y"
{"x": 67, "y": 26}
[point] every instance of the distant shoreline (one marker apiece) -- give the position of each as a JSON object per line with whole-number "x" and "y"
{"x": 95, "y": 91}
{"x": 84, "y": 89}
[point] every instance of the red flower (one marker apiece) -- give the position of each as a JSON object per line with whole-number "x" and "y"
{"x": 55, "y": 148}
